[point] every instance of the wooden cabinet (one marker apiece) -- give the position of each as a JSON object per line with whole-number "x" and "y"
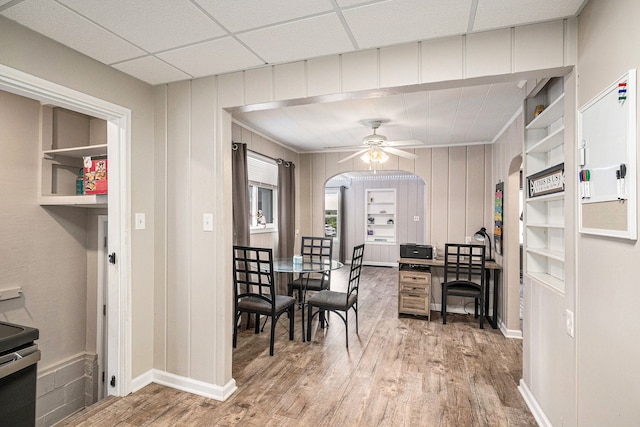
{"x": 67, "y": 137}
{"x": 414, "y": 290}
{"x": 380, "y": 221}
{"x": 544, "y": 216}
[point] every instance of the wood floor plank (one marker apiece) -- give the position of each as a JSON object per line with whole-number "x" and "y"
{"x": 398, "y": 371}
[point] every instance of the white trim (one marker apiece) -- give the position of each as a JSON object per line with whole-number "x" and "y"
{"x": 509, "y": 333}
{"x": 533, "y": 405}
{"x": 118, "y": 128}
{"x": 189, "y": 385}
{"x": 509, "y": 123}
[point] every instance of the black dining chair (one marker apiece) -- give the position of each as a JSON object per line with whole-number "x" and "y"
{"x": 338, "y": 302}
{"x": 255, "y": 292}
{"x": 464, "y": 276}
{"x": 314, "y": 250}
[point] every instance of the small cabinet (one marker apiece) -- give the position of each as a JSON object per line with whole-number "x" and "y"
{"x": 414, "y": 290}
{"x": 380, "y": 216}
{"x": 68, "y": 137}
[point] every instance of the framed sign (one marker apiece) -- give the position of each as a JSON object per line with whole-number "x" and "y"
{"x": 497, "y": 217}
{"x": 545, "y": 182}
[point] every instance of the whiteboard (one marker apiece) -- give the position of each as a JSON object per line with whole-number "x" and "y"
{"x": 607, "y": 133}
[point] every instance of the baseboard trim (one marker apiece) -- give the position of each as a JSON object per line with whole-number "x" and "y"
{"x": 533, "y": 405}
{"x": 189, "y": 385}
{"x": 509, "y": 333}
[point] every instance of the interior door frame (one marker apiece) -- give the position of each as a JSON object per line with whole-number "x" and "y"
{"x": 118, "y": 138}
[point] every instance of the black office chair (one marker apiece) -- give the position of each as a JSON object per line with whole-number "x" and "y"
{"x": 338, "y": 302}
{"x": 255, "y": 292}
{"x": 464, "y": 276}
{"x": 313, "y": 249}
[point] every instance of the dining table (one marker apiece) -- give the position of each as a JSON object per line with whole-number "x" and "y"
{"x": 304, "y": 266}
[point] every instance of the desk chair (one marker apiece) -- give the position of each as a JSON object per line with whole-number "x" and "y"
{"x": 338, "y": 302}
{"x": 255, "y": 292}
{"x": 464, "y": 276}
{"x": 314, "y": 249}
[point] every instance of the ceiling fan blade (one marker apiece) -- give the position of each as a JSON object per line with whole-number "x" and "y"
{"x": 342, "y": 147}
{"x": 357, "y": 153}
{"x": 405, "y": 143}
{"x": 400, "y": 153}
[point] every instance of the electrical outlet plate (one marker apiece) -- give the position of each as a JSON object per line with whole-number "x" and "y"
{"x": 416, "y": 218}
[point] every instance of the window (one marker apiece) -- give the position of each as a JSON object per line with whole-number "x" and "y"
{"x": 263, "y": 192}
{"x": 331, "y": 206}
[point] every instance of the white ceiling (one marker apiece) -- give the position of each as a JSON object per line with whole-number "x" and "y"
{"x": 161, "y": 41}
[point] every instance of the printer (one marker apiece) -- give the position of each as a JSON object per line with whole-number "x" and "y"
{"x": 412, "y": 250}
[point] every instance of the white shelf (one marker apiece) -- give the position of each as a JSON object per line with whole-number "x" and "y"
{"x": 383, "y": 199}
{"x": 86, "y": 201}
{"x": 544, "y": 148}
{"x": 555, "y": 139}
{"x": 550, "y": 115}
{"x": 78, "y": 152}
{"x": 548, "y": 253}
{"x": 546, "y": 198}
{"x": 548, "y": 280}
{"x": 546, "y": 225}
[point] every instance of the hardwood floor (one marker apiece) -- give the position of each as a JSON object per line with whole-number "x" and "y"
{"x": 399, "y": 371}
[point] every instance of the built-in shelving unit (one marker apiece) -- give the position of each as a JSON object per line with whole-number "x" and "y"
{"x": 380, "y": 216}
{"x": 544, "y": 215}
{"x": 68, "y": 137}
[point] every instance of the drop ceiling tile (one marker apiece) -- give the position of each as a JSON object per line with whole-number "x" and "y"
{"x": 400, "y": 21}
{"x": 153, "y": 25}
{"x": 304, "y": 39}
{"x": 210, "y": 58}
{"x": 151, "y": 70}
{"x": 241, "y": 15}
{"x": 64, "y": 26}
{"x": 499, "y": 13}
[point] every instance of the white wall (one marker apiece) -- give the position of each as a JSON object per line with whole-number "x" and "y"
{"x": 607, "y": 291}
{"x": 31, "y": 53}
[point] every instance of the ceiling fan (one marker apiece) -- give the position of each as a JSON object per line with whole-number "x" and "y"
{"x": 375, "y": 146}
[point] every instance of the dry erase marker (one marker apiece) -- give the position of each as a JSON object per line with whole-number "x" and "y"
{"x": 587, "y": 189}
{"x": 623, "y": 173}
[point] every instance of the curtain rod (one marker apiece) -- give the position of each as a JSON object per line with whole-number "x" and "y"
{"x": 287, "y": 163}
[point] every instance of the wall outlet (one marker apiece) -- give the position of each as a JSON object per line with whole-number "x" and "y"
{"x": 570, "y": 324}
{"x": 467, "y": 239}
{"x": 416, "y": 218}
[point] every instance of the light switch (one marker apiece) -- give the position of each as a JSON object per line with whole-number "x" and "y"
{"x": 140, "y": 221}
{"x": 570, "y": 324}
{"x": 207, "y": 222}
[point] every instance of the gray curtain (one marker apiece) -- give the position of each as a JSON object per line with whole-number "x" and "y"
{"x": 286, "y": 208}
{"x": 342, "y": 250}
{"x": 240, "y": 196}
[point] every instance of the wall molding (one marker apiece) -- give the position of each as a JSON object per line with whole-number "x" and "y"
{"x": 533, "y": 405}
{"x": 509, "y": 333}
{"x": 189, "y": 385}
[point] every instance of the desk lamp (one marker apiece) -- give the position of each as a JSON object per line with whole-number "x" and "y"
{"x": 480, "y": 236}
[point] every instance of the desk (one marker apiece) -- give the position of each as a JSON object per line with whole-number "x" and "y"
{"x": 286, "y": 265}
{"x": 488, "y": 265}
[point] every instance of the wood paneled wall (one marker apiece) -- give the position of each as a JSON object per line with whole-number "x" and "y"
{"x": 459, "y": 188}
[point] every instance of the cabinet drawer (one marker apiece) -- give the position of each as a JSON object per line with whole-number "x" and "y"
{"x": 413, "y": 304}
{"x": 413, "y": 287}
{"x": 415, "y": 277}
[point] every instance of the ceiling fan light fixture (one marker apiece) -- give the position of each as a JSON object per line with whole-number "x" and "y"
{"x": 374, "y": 155}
